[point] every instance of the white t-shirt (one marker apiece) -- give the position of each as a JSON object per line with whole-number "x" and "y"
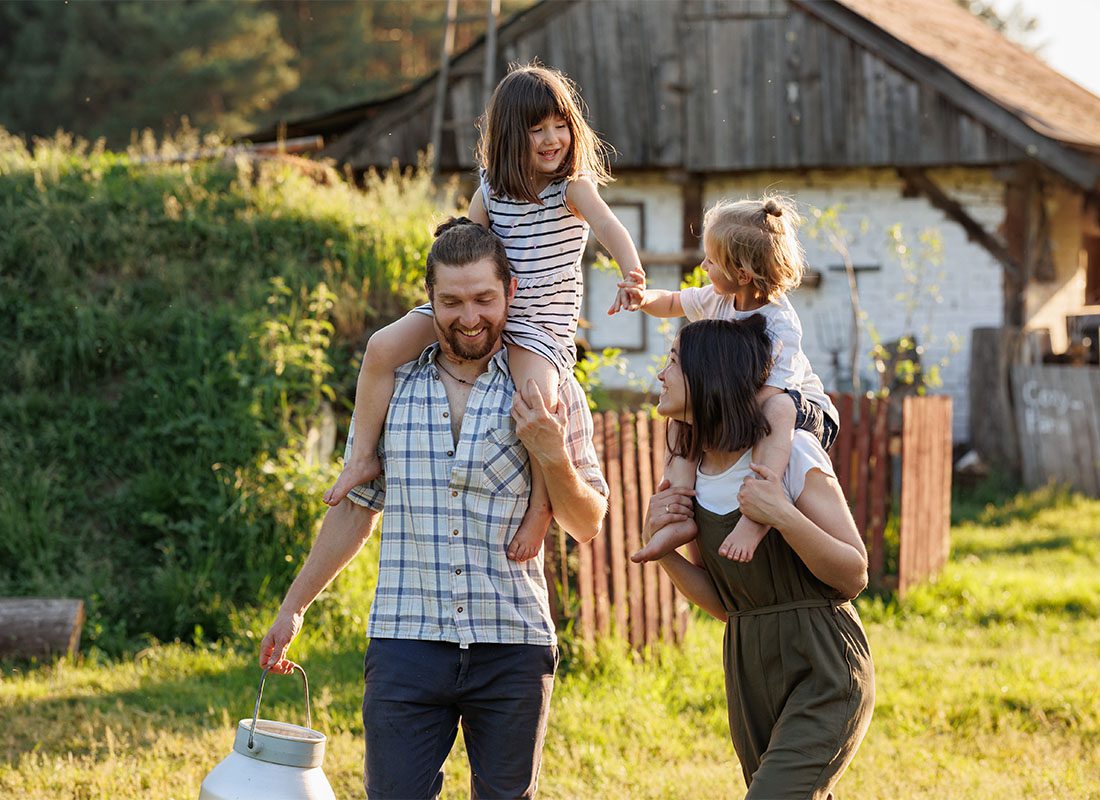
{"x": 718, "y": 493}
{"x": 791, "y": 369}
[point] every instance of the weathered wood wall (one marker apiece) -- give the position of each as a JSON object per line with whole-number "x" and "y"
{"x": 1058, "y": 418}
{"x": 703, "y": 86}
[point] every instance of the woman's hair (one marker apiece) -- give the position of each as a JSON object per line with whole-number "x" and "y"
{"x": 526, "y": 96}
{"x": 724, "y": 363}
{"x": 460, "y": 241}
{"x": 760, "y": 237}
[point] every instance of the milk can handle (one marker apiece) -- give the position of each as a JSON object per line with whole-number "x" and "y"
{"x": 260, "y": 694}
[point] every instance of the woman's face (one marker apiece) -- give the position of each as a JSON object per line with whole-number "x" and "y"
{"x": 673, "y": 401}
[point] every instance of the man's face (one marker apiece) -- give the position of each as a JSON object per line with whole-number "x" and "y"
{"x": 471, "y": 306}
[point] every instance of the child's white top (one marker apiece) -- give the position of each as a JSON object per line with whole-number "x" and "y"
{"x": 718, "y": 493}
{"x": 791, "y": 368}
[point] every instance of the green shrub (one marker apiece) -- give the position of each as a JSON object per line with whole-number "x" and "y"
{"x": 173, "y": 335}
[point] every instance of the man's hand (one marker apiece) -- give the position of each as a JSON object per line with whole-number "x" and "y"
{"x": 277, "y": 641}
{"x": 542, "y": 431}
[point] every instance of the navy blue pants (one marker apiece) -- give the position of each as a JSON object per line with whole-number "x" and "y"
{"x": 417, "y": 693}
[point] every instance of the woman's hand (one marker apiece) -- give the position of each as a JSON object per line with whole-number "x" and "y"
{"x": 670, "y": 505}
{"x": 762, "y": 497}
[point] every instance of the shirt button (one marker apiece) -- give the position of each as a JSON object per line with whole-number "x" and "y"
{"x": 458, "y": 572}
{"x": 450, "y": 452}
{"x": 454, "y": 494}
{"x": 446, "y": 414}
{"x": 454, "y": 532}
{"x": 460, "y": 609}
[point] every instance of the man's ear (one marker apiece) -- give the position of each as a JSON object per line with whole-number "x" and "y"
{"x": 512, "y": 288}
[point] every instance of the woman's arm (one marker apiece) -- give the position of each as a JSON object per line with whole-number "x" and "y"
{"x": 818, "y": 526}
{"x": 691, "y": 579}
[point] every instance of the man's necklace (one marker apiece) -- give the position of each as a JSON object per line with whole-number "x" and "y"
{"x": 440, "y": 366}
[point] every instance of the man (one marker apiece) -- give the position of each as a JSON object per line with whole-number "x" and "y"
{"x": 459, "y": 633}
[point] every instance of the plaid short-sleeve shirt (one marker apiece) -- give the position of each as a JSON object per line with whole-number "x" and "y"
{"x": 452, "y": 510}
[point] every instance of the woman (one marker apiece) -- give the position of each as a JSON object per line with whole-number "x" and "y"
{"x": 799, "y": 679}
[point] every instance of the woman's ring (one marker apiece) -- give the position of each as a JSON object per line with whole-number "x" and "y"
{"x": 666, "y": 508}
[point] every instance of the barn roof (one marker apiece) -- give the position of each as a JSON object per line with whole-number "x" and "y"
{"x": 941, "y": 30}
{"x": 765, "y": 84}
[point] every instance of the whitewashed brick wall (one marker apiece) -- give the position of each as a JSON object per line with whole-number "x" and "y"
{"x": 872, "y": 202}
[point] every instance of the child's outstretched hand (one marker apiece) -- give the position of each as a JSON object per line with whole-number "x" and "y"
{"x": 631, "y": 292}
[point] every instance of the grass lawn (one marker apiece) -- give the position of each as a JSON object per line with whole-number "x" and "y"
{"x": 987, "y": 688}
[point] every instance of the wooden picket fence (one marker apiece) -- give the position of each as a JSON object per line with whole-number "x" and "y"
{"x": 599, "y": 590}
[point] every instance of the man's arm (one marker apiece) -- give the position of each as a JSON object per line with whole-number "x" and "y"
{"x": 343, "y": 531}
{"x": 578, "y": 507}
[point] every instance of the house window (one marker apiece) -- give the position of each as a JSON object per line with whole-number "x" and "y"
{"x": 624, "y": 331}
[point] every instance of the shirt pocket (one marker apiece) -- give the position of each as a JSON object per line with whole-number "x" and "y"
{"x": 505, "y": 462}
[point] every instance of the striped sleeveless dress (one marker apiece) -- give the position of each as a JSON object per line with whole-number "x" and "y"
{"x": 544, "y": 245}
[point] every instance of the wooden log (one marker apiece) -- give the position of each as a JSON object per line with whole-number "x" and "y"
{"x": 38, "y": 627}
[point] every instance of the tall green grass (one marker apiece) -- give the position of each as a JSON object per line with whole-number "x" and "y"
{"x": 174, "y": 336}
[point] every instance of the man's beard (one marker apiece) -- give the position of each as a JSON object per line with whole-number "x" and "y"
{"x": 460, "y": 348}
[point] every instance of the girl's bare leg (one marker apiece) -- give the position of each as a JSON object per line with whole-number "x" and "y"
{"x": 678, "y": 472}
{"x": 389, "y": 348}
{"x": 525, "y": 365}
{"x": 773, "y": 451}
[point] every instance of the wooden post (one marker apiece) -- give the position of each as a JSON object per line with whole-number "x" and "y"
{"x": 993, "y": 352}
{"x": 38, "y": 627}
{"x": 490, "y": 77}
{"x": 664, "y": 583}
{"x": 645, "y": 491}
{"x": 615, "y": 538}
{"x": 440, "y": 102}
{"x": 600, "y": 544}
{"x": 633, "y": 527}
{"x": 874, "y": 535}
{"x": 862, "y": 462}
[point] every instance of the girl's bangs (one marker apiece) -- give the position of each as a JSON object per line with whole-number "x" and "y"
{"x": 543, "y": 102}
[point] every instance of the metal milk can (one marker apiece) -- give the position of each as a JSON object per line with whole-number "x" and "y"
{"x": 271, "y": 760}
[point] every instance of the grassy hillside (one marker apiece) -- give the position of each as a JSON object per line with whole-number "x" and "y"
{"x": 173, "y": 337}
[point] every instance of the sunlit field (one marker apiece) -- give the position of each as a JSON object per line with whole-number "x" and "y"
{"x": 986, "y": 689}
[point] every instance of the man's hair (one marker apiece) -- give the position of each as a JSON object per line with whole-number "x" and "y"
{"x": 724, "y": 363}
{"x": 459, "y": 242}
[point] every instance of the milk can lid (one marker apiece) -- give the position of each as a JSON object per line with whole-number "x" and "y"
{"x": 280, "y": 743}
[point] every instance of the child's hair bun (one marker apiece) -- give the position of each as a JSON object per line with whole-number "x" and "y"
{"x": 452, "y": 222}
{"x": 773, "y": 208}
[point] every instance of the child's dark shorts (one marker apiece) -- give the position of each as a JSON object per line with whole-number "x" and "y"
{"x": 811, "y": 417}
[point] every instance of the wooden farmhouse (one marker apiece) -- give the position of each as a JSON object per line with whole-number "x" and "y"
{"x": 891, "y": 111}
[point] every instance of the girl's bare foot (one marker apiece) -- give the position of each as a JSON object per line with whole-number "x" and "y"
{"x": 743, "y": 540}
{"x": 356, "y": 472}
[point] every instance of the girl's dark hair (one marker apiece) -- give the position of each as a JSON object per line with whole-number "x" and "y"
{"x": 526, "y": 96}
{"x": 460, "y": 241}
{"x": 724, "y": 363}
